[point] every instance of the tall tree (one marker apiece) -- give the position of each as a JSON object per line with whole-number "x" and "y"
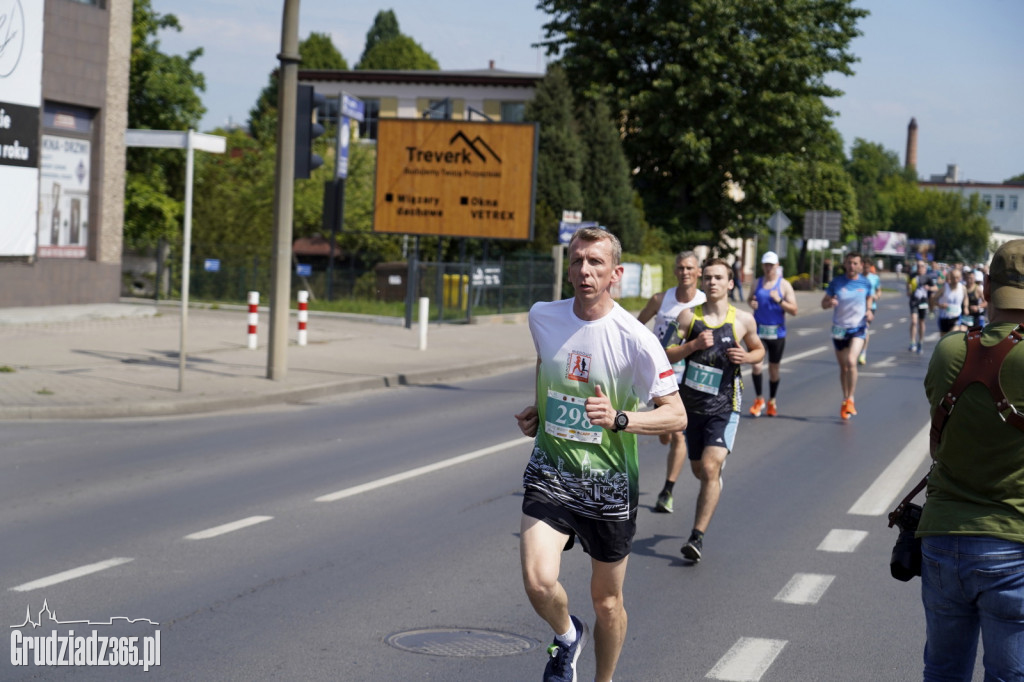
{"x": 710, "y": 91}
{"x": 605, "y": 179}
{"x": 384, "y": 28}
{"x": 560, "y": 156}
{"x": 163, "y": 94}
{"x": 400, "y": 53}
{"x": 876, "y": 173}
{"x": 316, "y": 51}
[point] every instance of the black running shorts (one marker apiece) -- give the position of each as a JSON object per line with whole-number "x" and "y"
{"x": 607, "y": 541}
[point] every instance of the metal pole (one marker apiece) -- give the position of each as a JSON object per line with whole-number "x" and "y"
{"x": 186, "y": 256}
{"x": 284, "y": 194}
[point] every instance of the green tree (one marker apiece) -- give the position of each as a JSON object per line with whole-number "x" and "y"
{"x": 316, "y": 52}
{"x": 710, "y": 91}
{"x": 163, "y": 94}
{"x": 876, "y": 175}
{"x": 605, "y": 178}
{"x": 1016, "y": 179}
{"x": 957, "y": 223}
{"x": 560, "y": 156}
{"x": 384, "y": 28}
{"x": 400, "y": 53}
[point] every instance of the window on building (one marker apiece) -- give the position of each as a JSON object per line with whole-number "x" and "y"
{"x": 513, "y": 112}
{"x": 1000, "y": 202}
{"x": 371, "y": 114}
{"x": 439, "y": 109}
{"x": 97, "y": 3}
{"x": 1013, "y": 202}
{"x": 987, "y": 200}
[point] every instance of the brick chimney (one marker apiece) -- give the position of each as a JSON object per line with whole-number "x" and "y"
{"x": 910, "y": 162}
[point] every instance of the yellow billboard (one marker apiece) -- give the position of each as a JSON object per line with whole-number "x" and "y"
{"x": 455, "y": 178}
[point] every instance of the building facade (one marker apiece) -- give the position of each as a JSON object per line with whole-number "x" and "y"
{"x": 63, "y": 113}
{"x": 1005, "y": 202}
{"x": 457, "y": 95}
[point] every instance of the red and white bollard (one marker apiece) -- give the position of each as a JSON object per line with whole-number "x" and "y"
{"x": 254, "y": 317}
{"x": 303, "y": 316}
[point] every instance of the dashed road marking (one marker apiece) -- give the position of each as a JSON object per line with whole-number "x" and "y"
{"x": 227, "y": 528}
{"x": 839, "y": 540}
{"x": 71, "y": 574}
{"x": 805, "y": 588}
{"x": 747, "y": 660}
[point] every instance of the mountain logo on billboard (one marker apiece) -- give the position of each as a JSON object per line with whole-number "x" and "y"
{"x": 474, "y": 145}
{"x": 12, "y": 35}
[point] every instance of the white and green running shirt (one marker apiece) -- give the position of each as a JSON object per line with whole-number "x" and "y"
{"x": 587, "y": 469}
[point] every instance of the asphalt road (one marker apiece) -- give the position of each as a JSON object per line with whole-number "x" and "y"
{"x": 297, "y": 542}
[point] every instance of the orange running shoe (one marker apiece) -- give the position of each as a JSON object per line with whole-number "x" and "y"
{"x": 755, "y": 409}
{"x": 850, "y": 407}
{"x": 770, "y": 411}
{"x": 843, "y": 413}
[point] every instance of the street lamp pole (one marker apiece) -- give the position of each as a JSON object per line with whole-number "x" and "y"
{"x": 284, "y": 193}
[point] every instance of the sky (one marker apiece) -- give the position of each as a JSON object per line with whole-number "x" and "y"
{"x": 954, "y": 66}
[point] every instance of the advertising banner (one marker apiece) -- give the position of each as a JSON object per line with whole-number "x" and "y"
{"x": 455, "y": 178}
{"x": 885, "y": 244}
{"x": 21, "y": 78}
{"x": 64, "y": 199}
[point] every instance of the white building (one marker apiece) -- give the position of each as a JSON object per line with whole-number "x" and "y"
{"x": 1005, "y": 202}
{"x": 459, "y": 95}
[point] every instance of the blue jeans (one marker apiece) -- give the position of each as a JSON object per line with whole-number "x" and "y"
{"x": 971, "y": 583}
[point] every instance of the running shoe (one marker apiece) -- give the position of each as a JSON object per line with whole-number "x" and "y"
{"x": 562, "y": 665}
{"x": 862, "y": 359}
{"x": 664, "y": 503}
{"x": 755, "y": 409}
{"x": 771, "y": 408}
{"x": 843, "y": 413}
{"x": 920, "y": 349}
{"x": 850, "y": 407}
{"x": 912, "y": 348}
{"x": 693, "y": 547}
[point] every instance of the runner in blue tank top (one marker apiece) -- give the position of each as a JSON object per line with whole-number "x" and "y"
{"x": 770, "y": 299}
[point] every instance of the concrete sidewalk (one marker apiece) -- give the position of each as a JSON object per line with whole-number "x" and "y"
{"x": 121, "y": 360}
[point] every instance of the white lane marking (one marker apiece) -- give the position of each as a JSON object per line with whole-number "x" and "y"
{"x": 934, "y": 336}
{"x": 873, "y": 375}
{"x": 888, "y": 362}
{"x": 840, "y": 540}
{"x": 71, "y": 574}
{"x": 420, "y": 471}
{"x": 879, "y": 498}
{"x": 805, "y": 354}
{"x": 806, "y": 332}
{"x": 227, "y": 528}
{"x": 747, "y": 660}
{"x": 805, "y": 588}
{"x": 902, "y": 320}
{"x": 887, "y": 325}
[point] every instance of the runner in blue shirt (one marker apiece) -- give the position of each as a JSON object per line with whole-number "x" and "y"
{"x": 849, "y": 295}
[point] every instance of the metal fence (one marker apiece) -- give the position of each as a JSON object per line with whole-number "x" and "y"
{"x": 457, "y": 291}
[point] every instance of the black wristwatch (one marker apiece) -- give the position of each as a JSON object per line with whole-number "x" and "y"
{"x": 621, "y": 422}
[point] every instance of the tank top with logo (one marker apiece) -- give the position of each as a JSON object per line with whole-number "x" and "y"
{"x": 712, "y": 383}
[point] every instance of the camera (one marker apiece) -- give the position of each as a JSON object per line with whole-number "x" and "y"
{"x": 905, "y": 562}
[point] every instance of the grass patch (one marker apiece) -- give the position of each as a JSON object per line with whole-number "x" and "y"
{"x": 7, "y": 369}
{"x": 44, "y": 391}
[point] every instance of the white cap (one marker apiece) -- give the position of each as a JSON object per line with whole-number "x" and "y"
{"x": 979, "y": 276}
{"x": 770, "y": 257}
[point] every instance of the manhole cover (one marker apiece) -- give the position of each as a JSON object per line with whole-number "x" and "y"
{"x": 465, "y": 642}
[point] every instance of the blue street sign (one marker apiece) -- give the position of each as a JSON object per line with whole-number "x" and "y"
{"x": 352, "y": 107}
{"x": 566, "y": 230}
{"x": 303, "y": 270}
{"x": 211, "y": 265}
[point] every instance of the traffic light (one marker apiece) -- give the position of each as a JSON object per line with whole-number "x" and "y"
{"x": 307, "y": 129}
